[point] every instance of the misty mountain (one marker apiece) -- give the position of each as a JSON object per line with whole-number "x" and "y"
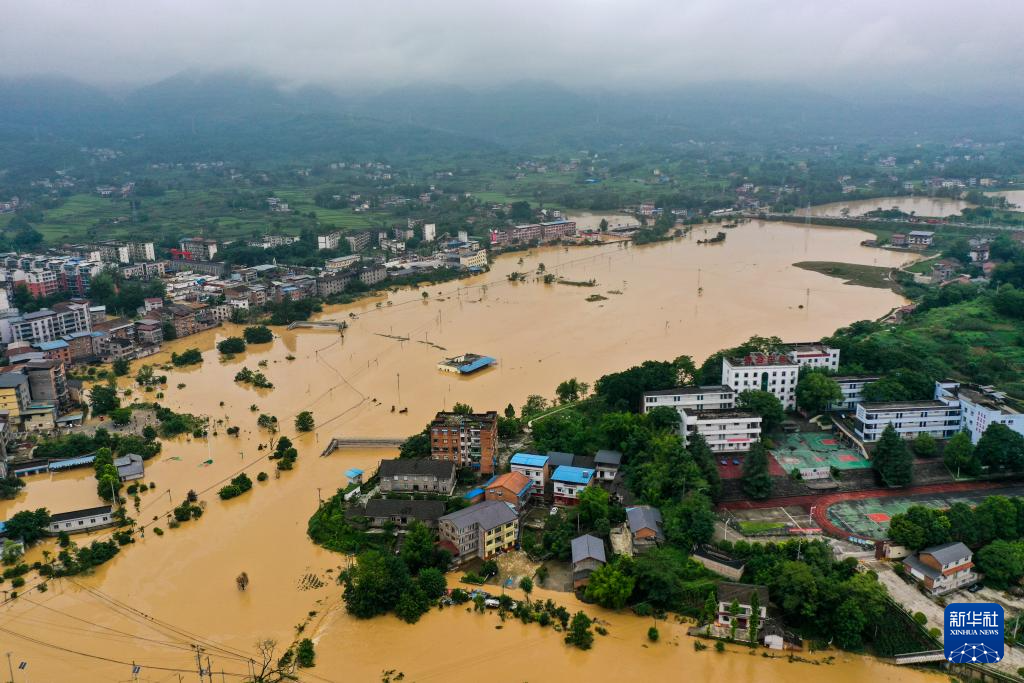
{"x": 249, "y": 117}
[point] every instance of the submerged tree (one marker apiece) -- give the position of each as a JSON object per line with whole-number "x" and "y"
{"x": 304, "y": 421}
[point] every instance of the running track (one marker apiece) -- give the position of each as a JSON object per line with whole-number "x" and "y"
{"x": 822, "y": 502}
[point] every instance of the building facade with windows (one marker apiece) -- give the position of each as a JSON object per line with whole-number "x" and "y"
{"x": 937, "y": 419}
{"x": 942, "y": 568}
{"x": 707, "y": 397}
{"x": 411, "y": 475}
{"x": 852, "y": 387}
{"x": 81, "y": 520}
{"x": 481, "y": 530}
{"x": 569, "y": 482}
{"x": 980, "y": 406}
{"x": 533, "y": 466}
{"x": 466, "y": 439}
{"x": 725, "y": 430}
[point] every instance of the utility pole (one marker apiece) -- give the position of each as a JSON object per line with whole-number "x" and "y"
{"x": 199, "y": 662}
{"x": 10, "y": 667}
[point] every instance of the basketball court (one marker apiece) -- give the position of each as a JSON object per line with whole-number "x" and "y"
{"x": 805, "y": 450}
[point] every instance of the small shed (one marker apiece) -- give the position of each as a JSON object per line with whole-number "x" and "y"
{"x": 354, "y": 476}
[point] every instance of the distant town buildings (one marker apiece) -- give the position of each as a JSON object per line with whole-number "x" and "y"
{"x": 197, "y": 249}
{"x": 536, "y": 232}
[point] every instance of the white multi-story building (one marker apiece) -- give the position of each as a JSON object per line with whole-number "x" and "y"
{"x": 853, "y": 391}
{"x": 429, "y": 232}
{"x": 813, "y": 355}
{"x": 533, "y": 466}
{"x": 707, "y": 397}
{"x": 909, "y": 418}
{"x": 48, "y": 325}
{"x": 980, "y": 406}
{"x": 772, "y": 372}
{"x": 199, "y": 248}
{"x": 725, "y": 430}
{"x": 777, "y": 372}
{"x": 329, "y": 241}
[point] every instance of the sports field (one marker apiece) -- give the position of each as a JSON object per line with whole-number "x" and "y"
{"x": 816, "y": 449}
{"x": 871, "y": 516}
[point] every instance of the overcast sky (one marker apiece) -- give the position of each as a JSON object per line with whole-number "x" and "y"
{"x": 932, "y": 45}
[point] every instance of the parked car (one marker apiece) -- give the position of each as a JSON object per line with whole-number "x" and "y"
{"x": 975, "y": 588}
{"x": 735, "y": 461}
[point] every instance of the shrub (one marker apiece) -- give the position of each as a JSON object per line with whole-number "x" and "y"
{"x": 652, "y": 634}
{"x": 262, "y": 476}
{"x": 231, "y": 345}
{"x": 237, "y": 487}
{"x": 719, "y": 646}
{"x": 258, "y": 334}
{"x": 304, "y": 654}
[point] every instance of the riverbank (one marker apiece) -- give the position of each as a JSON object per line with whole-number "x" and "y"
{"x": 855, "y": 274}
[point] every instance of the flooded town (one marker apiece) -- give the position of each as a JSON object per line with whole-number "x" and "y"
{"x": 673, "y": 297}
{"x": 479, "y": 342}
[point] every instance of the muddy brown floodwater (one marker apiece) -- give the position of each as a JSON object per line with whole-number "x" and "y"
{"x": 921, "y": 206}
{"x": 165, "y": 593}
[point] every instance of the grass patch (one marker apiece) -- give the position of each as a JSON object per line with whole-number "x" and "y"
{"x": 759, "y": 527}
{"x": 852, "y": 274}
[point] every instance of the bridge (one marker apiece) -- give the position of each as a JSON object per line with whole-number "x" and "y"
{"x": 338, "y": 325}
{"x": 353, "y": 442}
{"x": 920, "y": 657}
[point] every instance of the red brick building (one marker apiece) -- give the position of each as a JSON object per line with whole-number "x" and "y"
{"x": 468, "y": 440}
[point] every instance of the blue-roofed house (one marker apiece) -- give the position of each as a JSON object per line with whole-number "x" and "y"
{"x": 569, "y": 482}
{"x": 535, "y": 467}
{"x": 466, "y": 364}
{"x": 354, "y": 476}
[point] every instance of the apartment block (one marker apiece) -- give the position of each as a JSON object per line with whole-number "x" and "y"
{"x": 468, "y": 440}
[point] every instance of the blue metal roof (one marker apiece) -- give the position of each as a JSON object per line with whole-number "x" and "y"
{"x": 477, "y": 364}
{"x": 474, "y": 493}
{"x": 72, "y": 462}
{"x": 51, "y": 345}
{"x": 529, "y": 460}
{"x": 572, "y": 475}
{"x": 354, "y": 472}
